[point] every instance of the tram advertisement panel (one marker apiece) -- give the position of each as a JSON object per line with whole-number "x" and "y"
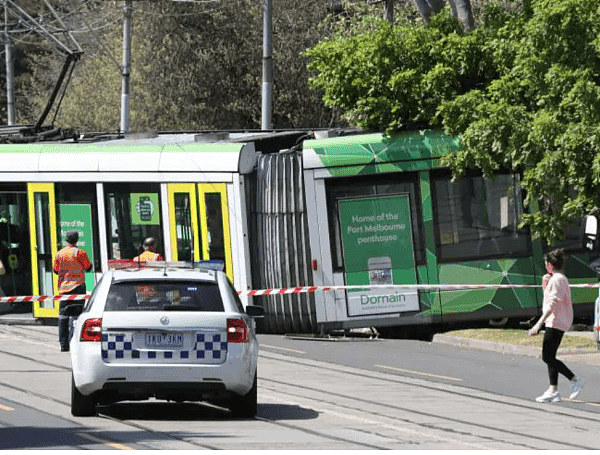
{"x": 378, "y": 249}
{"x": 78, "y": 217}
{"x": 144, "y": 208}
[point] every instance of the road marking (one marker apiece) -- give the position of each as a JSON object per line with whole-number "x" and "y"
{"x": 114, "y": 445}
{"x": 580, "y": 401}
{"x": 419, "y": 372}
{"x": 283, "y": 349}
{"x": 6, "y": 408}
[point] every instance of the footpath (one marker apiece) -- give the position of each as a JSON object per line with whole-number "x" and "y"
{"x": 588, "y": 356}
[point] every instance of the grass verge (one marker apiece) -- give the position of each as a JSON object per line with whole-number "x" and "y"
{"x": 521, "y": 337}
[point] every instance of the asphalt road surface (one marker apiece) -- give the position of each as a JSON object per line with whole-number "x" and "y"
{"x": 313, "y": 394}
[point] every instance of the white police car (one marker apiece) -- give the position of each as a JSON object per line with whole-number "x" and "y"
{"x": 165, "y": 331}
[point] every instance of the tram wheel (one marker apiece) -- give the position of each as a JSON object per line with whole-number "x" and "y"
{"x": 500, "y": 322}
{"x": 406, "y": 333}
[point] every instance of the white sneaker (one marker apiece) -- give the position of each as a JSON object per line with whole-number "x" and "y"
{"x": 549, "y": 397}
{"x": 576, "y": 387}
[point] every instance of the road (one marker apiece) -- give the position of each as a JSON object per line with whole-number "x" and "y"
{"x": 313, "y": 394}
{"x": 509, "y": 375}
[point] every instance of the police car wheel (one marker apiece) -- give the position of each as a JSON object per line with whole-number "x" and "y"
{"x": 245, "y": 406}
{"x": 81, "y": 405}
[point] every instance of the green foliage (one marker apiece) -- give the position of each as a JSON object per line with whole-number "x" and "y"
{"x": 522, "y": 91}
{"x": 541, "y": 115}
{"x": 194, "y": 66}
{"x": 394, "y": 78}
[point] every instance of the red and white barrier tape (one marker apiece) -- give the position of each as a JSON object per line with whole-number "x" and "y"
{"x": 42, "y": 298}
{"x": 424, "y": 287}
{"x": 311, "y": 289}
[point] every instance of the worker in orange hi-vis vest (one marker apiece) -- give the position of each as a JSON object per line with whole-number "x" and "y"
{"x": 149, "y": 253}
{"x": 70, "y": 265}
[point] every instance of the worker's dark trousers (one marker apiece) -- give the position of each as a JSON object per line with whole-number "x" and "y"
{"x": 64, "y": 320}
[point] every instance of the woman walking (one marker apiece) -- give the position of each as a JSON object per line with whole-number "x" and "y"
{"x": 557, "y": 315}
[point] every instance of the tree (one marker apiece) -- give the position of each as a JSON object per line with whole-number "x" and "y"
{"x": 394, "y": 78}
{"x": 541, "y": 114}
{"x": 198, "y": 66}
{"x": 461, "y": 9}
{"x": 34, "y": 31}
{"x": 521, "y": 91}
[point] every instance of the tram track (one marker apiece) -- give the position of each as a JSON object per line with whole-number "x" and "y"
{"x": 104, "y": 411}
{"x": 376, "y": 412}
{"x": 303, "y": 391}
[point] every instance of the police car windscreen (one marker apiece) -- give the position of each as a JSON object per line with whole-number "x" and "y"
{"x": 164, "y": 296}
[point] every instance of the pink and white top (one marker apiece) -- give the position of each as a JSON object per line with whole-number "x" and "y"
{"x": 557, "y": 298}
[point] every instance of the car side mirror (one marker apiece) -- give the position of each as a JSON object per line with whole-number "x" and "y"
{"x": 591, "y": 232}
{"x": 255, "y": 311}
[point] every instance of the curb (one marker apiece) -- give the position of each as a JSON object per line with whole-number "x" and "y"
{"x": 504, "y": 348}
{"x": 18, "y": 319}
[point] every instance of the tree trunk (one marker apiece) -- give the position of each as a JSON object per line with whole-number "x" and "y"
{"x": 428, "y": 7}
{"x": 462, "y": 10}
{"x": 388, "y": 11}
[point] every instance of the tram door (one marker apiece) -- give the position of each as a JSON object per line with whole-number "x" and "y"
{"x": 199, "y": 217}
{"x": 44, "y": 241}
{"x": 15, "y": 251}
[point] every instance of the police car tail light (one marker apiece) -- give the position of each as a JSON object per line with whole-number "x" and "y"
{"x": 237, "y": 331}
{"x": 92, "y": 330}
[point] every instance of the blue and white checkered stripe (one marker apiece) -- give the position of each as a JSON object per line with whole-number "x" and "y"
{"x": 207, "y": 348}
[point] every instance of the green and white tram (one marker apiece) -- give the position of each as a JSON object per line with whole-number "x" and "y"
{"x": 394, "y": 216}
{"x": 187, "y": 195}
{"x": 285, "y": 210}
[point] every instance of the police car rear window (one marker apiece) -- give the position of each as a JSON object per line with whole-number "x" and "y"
{"x": 164, "y": 296}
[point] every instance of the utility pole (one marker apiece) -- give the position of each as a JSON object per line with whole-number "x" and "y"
{"x": 10, "y": 76}
{"x": 267, "y": 73}
{"x": 126, "y": 69}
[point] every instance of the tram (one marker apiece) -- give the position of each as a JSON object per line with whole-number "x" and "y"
{"x": 283, "y": 210}
{"x": 395, "y": 216}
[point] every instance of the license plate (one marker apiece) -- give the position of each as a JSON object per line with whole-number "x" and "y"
{"x": 164, "y": 340}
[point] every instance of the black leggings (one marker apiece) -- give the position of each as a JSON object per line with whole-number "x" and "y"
{"x": 552, "y": 339}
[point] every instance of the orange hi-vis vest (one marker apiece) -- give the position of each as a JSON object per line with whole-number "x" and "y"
{"x": 148, "y": 256}
{"x": 70, "y": 264}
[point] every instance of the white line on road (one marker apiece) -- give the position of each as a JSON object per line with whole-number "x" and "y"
{"x": 420, "y": 373}
{"x": 283, "y": 349}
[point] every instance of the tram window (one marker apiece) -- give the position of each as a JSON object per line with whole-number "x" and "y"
{"x": 77, "y": 210}
{"x": 371, "y": 186}
{"x": 572, "y": 241}
{"x": 214, "y": 219}
{"x": 15, "y": 252}
{"x": 573, "y": 238}
{"x": 133, "y": 214}
{"x": 477, "y": 217}
{"x": 183, "y": 226}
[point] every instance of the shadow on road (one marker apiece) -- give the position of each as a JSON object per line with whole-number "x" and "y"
{"x": 285, "y": 412}
{"x": 198, "y": 411}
